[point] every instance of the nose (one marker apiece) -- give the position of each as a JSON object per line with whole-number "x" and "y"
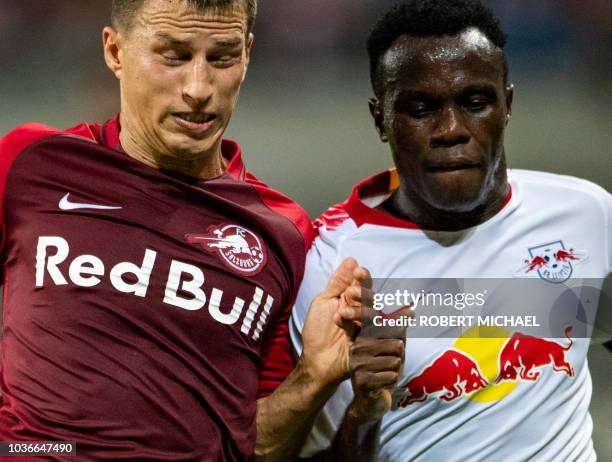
{"x": 450, "y": 129}
{"x": 198, "y": 85}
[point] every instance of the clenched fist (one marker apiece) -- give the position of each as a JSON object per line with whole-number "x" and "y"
{"x": 375, "y": 366}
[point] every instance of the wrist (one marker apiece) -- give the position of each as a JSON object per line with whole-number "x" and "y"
{"x": 318, "y": 374}
{"x": 322, "y": 373}
{"x": 366, "y": 409}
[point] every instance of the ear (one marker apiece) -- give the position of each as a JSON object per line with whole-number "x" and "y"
{"x": 112, "y": 42}
{"x": 509, "y": 93}
{"x": 379, "y": 118}
{"x": 248, "y": 48}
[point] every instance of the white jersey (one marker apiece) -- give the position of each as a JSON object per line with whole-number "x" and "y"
{"x": 551, "y": 227}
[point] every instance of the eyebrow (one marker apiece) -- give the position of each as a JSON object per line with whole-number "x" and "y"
{"x": 415, "y": 94}
{"x": 221, "y": 43}
{"x": 165, "y": 37}
{"x": 228, "y": 43}
{"x": 486, "y": 88}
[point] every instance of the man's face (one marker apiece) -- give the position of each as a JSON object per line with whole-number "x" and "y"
{"x": 180, "y": 71}
{"x": 444, "y": 111}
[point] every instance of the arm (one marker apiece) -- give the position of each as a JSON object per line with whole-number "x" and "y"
{"x": 285, "y": 418}
{"x": 375, "y": 368}
{"x": 375, "y": 365}
{"x": 376, "y": 359}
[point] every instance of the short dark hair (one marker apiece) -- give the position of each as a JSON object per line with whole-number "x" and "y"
{"x": 429, "y": 18}
{"x": 123, "y": 11}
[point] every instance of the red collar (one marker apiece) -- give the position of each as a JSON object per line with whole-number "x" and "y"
{"x": 229, "y": 149}
{"x": 383, "y": 183}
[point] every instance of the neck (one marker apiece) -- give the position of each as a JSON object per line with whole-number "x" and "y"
{"x": 203, "y": 166}
{"x": 426, "y": 216}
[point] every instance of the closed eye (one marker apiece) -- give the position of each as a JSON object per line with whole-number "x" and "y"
{"x": 176, "y": 57}
{"x": 225, "y": 59}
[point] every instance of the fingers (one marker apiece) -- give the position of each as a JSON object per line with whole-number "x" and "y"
{"x": 350, "y": 327}
{"x": 375, "y": 366}
{"x": 341, "y": 279}
{"x": 365, "y": 348}
{"x": 378, "y": 324}
{"x": 358, "y": 295}
{"x": 370, "y": 382}
{"x": 362, "y": 277}
{"x": 360, "y": 290}
{"x": 353, "y": 298}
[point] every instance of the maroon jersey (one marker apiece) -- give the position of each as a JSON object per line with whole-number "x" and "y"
{"x": 144, "y": 311}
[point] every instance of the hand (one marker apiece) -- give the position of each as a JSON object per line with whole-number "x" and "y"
{"x": 375, "y": 368}
{"x": 326, "y": 337}
{"x": 376, "y": 360}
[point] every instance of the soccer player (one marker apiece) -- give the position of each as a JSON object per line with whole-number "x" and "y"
{"x": 452, "y": 209}
{"x": 148, "y": 276}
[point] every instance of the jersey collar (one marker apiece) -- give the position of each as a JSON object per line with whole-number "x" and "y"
{"x": 367, "y": 195}
{"x": 230, "y": 150}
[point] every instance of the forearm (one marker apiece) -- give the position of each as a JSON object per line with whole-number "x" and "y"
{"x": 285, "y": 418}
{"x": 357, "y": 438}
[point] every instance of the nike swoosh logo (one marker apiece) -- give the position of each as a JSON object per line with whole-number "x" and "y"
{"x": 65, "y": 204}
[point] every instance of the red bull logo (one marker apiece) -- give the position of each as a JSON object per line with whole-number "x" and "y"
{"x": 523, "y": 354}
{"x": 551, "y": 262}
{"x": 456, "y": 373}
{"x": 449, "y": 376}
{"x": 238, "y": 248}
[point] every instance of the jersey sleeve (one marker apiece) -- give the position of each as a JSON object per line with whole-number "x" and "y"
{"x": 11, "y": 145}
{"x": 17, "y": 142}
{"x": 284, "y": 343}
{"x": 277, "y": 356}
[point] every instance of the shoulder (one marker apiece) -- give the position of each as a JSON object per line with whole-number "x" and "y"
{"x": 562, "y": 200}
{"x": 285, "y": 207}
{"x": 18, "y": 141}
{"x": 556, "y": 182}
{"x": 563, "y": 189}
{"x": 332, "y": 227}
{"x": 24, "y": 136}
{"x": 332, "y": 219}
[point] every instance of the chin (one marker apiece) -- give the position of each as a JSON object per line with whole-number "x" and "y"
{"x": 457, "y": 195}
{"x": 457, "y": 204}
{"x": 189, "y": 148}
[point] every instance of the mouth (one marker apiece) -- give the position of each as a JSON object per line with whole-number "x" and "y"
{"x": 195, "y": 122}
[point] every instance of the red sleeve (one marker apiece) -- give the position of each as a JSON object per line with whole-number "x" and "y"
{"x": 277, "y": 352}
{"x": 11, "y": 146}
{"x": 18, "y": 141}
{"x": 284, "y": 206}
{"x": 277, "y": 356}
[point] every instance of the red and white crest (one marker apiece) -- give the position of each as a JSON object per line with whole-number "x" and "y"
{"x": 553, "y": 262}
{"x": 239, "y": 249}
